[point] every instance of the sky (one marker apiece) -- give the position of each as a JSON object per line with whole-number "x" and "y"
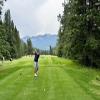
{"x": 35, "y": 17}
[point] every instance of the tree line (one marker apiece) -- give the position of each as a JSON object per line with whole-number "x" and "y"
{"x": 79, "y": 32}
{"x": 11, "y": 45}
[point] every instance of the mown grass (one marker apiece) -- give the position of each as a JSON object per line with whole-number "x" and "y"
{"x": 59, "y": 79}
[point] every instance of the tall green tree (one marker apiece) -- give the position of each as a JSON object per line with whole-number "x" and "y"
{"x": 4, "y": 45}
{"x": 11, "y": 46}
{"x": 23, "y": 48}
{"x": 29, "y": 46}
{"x": 79, "y": 36}
{"x": 9, "y": 26}
{"x": 13, "y": 37}
{"x": 51, "y": 50}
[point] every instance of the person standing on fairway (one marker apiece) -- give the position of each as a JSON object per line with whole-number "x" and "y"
{"x": 36, "y": 66}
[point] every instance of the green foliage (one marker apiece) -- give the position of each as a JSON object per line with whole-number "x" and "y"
{"x": 29, "y": 46}
{"x": 10, "y": 42}
{"x": 79, "y": 36}
{"x": 23, "y": 48}
{"x": 12, "y": 36}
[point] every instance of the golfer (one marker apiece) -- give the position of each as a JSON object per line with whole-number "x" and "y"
{"x": 36, "y": 66}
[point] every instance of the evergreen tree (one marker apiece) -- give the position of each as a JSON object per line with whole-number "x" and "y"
{"x": 23, "y": 48}
{"x": 79, "y": 36}
{"x": 10, "y": 42}
{"x": 3, "y": 38}
{"x": 17, "y": 42}
{"x": 13, "y": 37}
{"x": 51, "y": 50}
{"x": 30, "y": 48}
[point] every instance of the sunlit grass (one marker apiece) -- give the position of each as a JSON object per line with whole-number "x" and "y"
{"x": 59, "y": 79}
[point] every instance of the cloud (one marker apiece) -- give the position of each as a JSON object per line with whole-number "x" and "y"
{"x": 34, "y": 17}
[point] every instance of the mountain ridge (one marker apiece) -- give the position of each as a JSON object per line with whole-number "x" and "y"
{"x": 42, "y": 42}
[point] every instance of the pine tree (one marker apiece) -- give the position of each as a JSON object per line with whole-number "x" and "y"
{"x": 10, "y": 42}
{"x": 30, "y": 48}
{"x": 79, "y": 36}
{"x": 51, "y": 50}
{"x": 13, "y": 37}
{"x": 4, "y": 45}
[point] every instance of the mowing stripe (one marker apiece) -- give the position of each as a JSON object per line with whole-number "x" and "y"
{"x": 53, "y": 83}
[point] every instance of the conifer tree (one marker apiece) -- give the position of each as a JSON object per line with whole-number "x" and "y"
{"x": 29, "y": 46}
{"x": 79, "y": 36}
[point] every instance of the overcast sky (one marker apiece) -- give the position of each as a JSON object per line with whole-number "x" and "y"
{"x": 35, "y": 17}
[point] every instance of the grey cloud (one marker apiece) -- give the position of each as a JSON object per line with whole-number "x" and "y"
{"x": 35, "y": 16}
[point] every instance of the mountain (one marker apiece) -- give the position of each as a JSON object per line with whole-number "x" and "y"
{"x": 42, "y": 42}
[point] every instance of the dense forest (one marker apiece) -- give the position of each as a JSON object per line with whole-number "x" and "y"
{"x": 79, "y": 33}
{"x": 11, "y": 45}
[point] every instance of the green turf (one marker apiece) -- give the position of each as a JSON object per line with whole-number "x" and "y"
{"x": 59, "y": 79}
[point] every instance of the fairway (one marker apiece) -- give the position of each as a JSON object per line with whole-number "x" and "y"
{"x": 59, "y": 79}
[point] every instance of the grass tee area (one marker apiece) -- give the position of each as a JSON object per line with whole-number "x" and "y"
{"x": 59, "y": 79}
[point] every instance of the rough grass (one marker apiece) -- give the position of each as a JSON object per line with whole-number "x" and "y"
{"x": 59, "y": 79}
